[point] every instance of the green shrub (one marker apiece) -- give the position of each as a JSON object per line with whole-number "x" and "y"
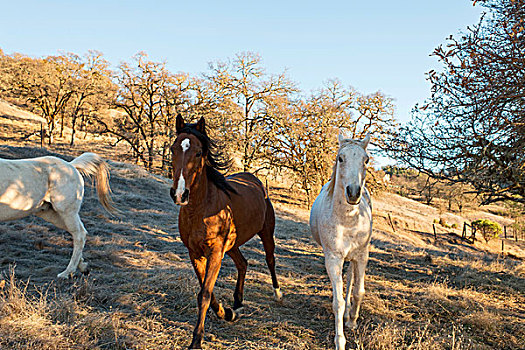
{"x": 443, "y": 223}
{"x": 489, "y": 229}
{"x": 454, "y": 225}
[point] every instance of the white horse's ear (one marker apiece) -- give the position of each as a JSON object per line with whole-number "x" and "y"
{"x": 341, "y": 137}
{"x": 365, "y": 141}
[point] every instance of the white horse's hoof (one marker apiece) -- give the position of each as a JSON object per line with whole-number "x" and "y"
{"x": 351, "y": 325}
{"x": 340, "y": 342}
{"x": 82, "y": 266}
{"x": 277, "y": 294}
{"x": 63, "y": 275}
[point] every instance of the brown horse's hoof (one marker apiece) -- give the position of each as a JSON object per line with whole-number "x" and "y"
{"x": 196, "y": 341}
{"x": 230, "y": 315}
{"x": 278, "y": 295}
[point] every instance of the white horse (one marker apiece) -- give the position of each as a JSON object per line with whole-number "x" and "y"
{"x": 341, "y": 222}
{"x": 53, "y": 189}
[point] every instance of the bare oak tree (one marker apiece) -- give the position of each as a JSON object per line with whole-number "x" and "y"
{"x": 93, "y": 90}
{"x": 41, "y": 83}
{"x": 149, "y": 98}
{"x": 247, "y": 91}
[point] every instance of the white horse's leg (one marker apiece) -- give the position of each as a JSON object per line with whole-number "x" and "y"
{"x": 334, "y": 267}
{"x": 77, "y": 230}
{"x": 52, "y": 217}
{"x": 348, "y": 297}
{"x": 358, "y": 291}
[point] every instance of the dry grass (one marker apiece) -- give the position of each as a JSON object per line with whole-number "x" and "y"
{"x": 141, "y": 291}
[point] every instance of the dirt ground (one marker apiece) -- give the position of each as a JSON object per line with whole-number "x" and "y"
{"x": 140, "y": 293}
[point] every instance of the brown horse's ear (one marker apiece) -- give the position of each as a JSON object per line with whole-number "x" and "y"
{"x": 201, "y": 126}
{"x": 179, "y": 125}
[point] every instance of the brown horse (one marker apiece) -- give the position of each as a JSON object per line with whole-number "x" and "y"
{"x": 218, "y": 214}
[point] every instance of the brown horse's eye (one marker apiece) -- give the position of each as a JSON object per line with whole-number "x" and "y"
{"x": 198, "y": 154}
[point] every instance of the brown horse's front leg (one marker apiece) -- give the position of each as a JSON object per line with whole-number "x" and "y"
{"x": 199, "y": 265}
{"x": 205, "y": 296}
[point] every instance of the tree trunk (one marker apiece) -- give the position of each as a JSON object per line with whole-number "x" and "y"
{"x": 151, "y": 149}
{"x": 73, "y": 124}
{"x": 51, "y": 127}
{"x": 83, "y": 124}
{"x": 61, "y": 125}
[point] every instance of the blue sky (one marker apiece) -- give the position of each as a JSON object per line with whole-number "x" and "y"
{"x": 370, "y": 45}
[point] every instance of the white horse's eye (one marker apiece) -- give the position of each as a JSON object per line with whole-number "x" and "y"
{"x": 367, "y": 160}
{"x": 340, "y": 159}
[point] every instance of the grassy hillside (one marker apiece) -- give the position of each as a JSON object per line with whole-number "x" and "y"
{"x": 141, "y": 291}
{"x": 19, "y": 127}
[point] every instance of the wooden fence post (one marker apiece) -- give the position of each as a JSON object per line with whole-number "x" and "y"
{"x": 502, "y": 247}
{"x": 391, "y": 222}
{"x": 505, "y": 231}
{"x": 435, "y": 234}
{"x": 464, "y": 233}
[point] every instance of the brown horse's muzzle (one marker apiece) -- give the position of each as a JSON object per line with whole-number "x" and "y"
{"x": 181, "y": 199}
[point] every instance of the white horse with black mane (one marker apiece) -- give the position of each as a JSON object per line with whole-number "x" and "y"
{"x": 53, "y": 189}
{"x": 341, "y": 222}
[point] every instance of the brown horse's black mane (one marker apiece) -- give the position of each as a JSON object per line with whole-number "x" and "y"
{"x": 215, "y": 159}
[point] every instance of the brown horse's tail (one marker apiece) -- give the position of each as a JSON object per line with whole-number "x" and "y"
{"x": 92, "y": 165}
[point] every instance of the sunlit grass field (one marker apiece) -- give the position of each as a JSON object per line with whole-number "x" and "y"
{"x": 140, "y": 293}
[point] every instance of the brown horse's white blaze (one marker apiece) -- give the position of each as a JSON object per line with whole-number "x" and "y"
{"x": 181, "y": 192}
{"x": 217, "y": 216}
